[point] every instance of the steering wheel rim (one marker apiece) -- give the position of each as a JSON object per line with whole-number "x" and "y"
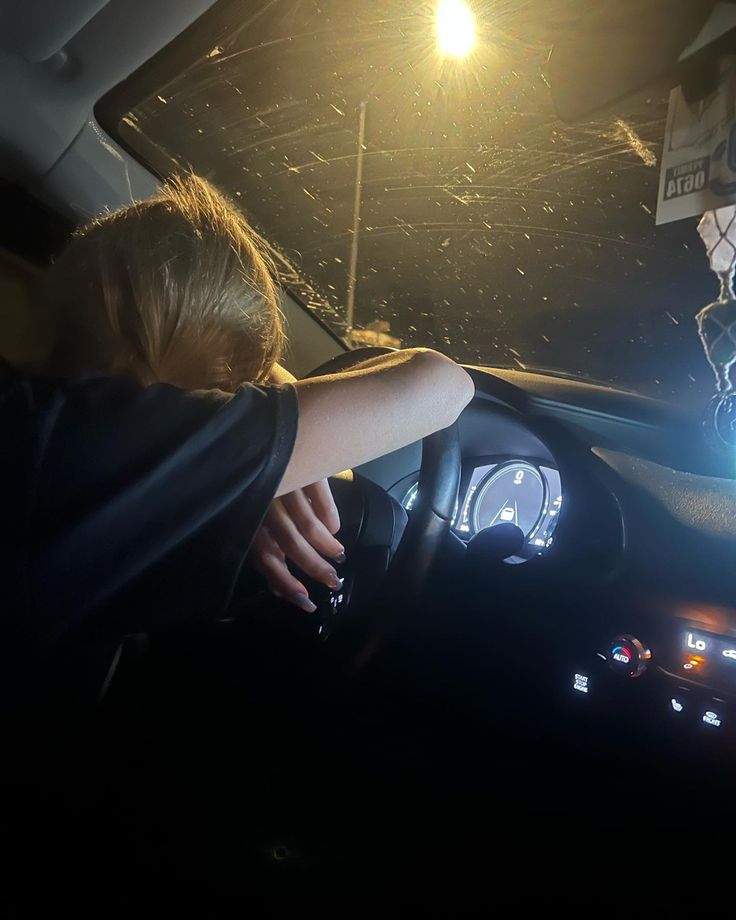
{"x": 432, "y": 514}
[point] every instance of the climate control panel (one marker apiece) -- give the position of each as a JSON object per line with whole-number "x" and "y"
{"x": 683, "y": 677}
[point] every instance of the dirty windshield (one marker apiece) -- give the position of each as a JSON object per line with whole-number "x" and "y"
{"x": 418, "y": 188}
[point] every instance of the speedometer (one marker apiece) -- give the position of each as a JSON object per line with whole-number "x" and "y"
{"x": 514, "y": 493}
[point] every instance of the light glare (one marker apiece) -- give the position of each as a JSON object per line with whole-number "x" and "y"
{"x": 455, "y": 24}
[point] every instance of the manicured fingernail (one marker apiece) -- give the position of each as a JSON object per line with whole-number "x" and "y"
{"x": 335, "y": 583}
{"x": 304, "y": 603}
{"x": 340, "y": 557}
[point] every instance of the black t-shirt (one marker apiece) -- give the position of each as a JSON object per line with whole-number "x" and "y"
{"x": 125, "y": 508}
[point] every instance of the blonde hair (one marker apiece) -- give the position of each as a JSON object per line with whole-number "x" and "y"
{"x": 177, "y": 289}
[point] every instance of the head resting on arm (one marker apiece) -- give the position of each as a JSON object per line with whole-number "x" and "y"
{"x": 176, "y": 289}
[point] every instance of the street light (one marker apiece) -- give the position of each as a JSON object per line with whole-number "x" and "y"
{"x": 455, "y": 27}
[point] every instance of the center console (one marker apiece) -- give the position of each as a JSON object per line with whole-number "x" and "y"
{"x": 673, "y": 673}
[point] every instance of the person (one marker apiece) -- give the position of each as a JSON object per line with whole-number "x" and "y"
{"x": 161, "y": 440}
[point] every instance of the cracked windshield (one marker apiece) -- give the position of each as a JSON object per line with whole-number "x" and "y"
{"x": 406, "y": 165}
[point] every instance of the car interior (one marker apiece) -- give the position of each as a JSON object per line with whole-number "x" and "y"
{"x": 525, "y": 692}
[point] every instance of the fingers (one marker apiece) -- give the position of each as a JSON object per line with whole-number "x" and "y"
{"x": 320, "y": 495}
{"x": 296, "y": 546}
{"x": 268, "y": 559}
{"x": 303, "y": 513}
{"x": 299, "y": 527}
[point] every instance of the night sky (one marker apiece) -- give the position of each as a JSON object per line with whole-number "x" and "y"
{"x": 489, "y": 229}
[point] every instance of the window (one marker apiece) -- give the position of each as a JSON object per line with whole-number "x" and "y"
{"x": 486, "y": 227}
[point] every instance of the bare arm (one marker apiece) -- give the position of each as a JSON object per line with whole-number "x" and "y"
{"x": 278, "y": 375}
{"x": 381, "y": 405}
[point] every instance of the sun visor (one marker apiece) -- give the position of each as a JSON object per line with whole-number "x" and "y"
{"x": 616, "y": 49}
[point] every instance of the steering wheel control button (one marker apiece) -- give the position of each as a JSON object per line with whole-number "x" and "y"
{"x": 628, "y": 656}
{"x": 337, "y": 599}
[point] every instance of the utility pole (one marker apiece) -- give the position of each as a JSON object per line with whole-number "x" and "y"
{"x": 353, "y": 268}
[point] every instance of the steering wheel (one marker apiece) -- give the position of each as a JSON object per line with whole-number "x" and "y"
{"x": 404, "y": 568}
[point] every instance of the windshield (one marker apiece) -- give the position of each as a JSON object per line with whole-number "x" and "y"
{"x": 416, "y": 199}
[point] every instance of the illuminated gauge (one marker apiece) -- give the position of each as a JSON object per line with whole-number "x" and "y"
{"x": 543, "y": 535}
{"x": 409, "y": 500}
{"x": 514, "y": 493}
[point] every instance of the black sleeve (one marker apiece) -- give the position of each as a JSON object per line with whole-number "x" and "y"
{"x": 146, "y": 500}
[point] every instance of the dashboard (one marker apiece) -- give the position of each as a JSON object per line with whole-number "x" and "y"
{"x": 629, "y": 521}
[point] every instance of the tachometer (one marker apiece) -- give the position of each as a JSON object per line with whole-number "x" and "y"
{"x": 515, "y": 493}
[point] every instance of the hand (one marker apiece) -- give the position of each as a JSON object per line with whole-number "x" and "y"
{"x": 299, "y": 527}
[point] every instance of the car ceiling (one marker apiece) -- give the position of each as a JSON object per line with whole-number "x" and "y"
{"x": 56, "y": 61}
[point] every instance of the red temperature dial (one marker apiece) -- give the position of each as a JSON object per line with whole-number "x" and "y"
{"x": 628, "y": 656}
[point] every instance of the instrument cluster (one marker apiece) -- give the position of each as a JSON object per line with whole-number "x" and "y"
{"x": 513, "y": 491}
